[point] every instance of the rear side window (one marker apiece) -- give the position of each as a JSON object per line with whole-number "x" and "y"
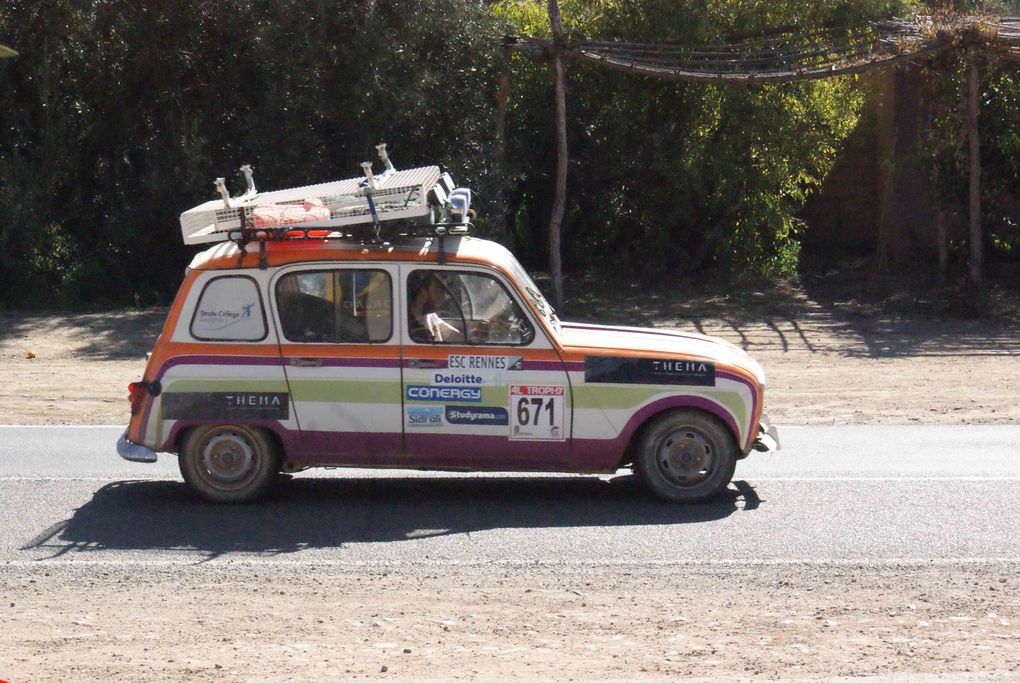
{"x": 229, "y": 309}
{"x": 342, "y": 306}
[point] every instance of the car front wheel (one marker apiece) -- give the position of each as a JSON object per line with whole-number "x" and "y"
{"x": 228, "y": 463}
{"x": 686, "y": 456}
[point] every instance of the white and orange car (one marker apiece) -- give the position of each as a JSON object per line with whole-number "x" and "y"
{"x": 303, "y": 345}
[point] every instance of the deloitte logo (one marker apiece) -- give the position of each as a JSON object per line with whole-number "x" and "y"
{"x": 420, "y": 392}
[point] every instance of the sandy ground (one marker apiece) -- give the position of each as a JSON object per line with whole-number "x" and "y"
{"x": 724, "y": 623}
{"x": 821, "y": 369}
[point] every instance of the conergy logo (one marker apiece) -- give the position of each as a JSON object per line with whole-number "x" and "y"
{"x": 419, "y": 392}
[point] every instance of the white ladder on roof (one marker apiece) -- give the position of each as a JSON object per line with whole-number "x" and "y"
{"x": 396, "y": 195}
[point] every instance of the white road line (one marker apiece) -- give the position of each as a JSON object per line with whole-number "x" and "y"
{"x": 754, "y": 478}
{"x": 4, "y": 426}
{"x": 390, "y": 474}
{"x": 94, "y": 480}
{"x": 221, "y": 562}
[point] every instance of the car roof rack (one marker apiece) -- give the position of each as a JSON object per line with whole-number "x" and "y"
{"x": 411, "y": 203}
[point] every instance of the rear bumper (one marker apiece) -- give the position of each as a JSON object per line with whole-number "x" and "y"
{"x": 768, "y": 436}
{"x": 134, "y": 452}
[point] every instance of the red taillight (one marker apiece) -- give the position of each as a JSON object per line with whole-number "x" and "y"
{"x": 137, "y": 392}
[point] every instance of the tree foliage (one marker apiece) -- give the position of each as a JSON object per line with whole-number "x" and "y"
{"x": 120, "y": 114}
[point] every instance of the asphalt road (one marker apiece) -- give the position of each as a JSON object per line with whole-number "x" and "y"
{"x": 857, "y": 494}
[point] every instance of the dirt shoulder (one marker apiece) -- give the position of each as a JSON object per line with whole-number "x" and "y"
{"x": 229, "y": 623}
{"x": 823, "y": 366}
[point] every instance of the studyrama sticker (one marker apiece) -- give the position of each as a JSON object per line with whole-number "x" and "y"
{"x": 485, "y": 416}
{"x": 536, "y": 412}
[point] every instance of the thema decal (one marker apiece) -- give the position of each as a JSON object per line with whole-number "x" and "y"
{"x": 614, "y": 370}
{"x": 226, "y": 405}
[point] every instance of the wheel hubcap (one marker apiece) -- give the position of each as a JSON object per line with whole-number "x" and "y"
{"x": 685, "y": 457}
{"x": 228, "y": 457}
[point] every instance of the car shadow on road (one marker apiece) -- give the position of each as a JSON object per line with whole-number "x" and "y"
{"x": 312, "y": 513}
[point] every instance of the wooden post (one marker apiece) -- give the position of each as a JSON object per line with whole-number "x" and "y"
{"x": 886, "y": 142}
{"x": 943, "y": 240}
{"x": 560, "y": 198}
{"x": 503, "y": 99}
{"x": 502, "y": 104}
{"x": 973, "y": 92}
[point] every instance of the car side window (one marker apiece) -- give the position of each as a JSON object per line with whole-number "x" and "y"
{"x": 342, "y": 306}
{"x": 459, "y": 307}
{"x": 229, "y": 309}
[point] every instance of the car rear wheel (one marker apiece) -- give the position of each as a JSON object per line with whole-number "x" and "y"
{"x": 228, "y": 463}
{"x": 686, "y": 456}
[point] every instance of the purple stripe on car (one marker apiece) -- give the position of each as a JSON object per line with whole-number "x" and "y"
{"x": 217, "y": 360}
{"x": 496, "y": 452}
{"x": 553, "y": 365}
{"x": 755, "y": 398}
{"x": 429, "y": 364}
{"x": 276, "y": 360}
{"x": 359, "y": 362}
{"x": 349, "y": 448}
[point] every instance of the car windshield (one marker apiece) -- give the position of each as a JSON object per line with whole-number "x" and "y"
{"x": 534, "y": 294}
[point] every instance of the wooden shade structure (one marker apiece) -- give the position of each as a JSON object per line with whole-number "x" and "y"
{"x": 786, "y": 54}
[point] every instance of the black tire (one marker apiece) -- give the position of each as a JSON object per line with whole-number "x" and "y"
{"x": 228, "y": 463}
{"x": 686, "y": 456}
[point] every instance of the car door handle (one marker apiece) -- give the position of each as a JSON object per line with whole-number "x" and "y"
{"x": 423, "y": 363}
{"x": 306, "y": 362}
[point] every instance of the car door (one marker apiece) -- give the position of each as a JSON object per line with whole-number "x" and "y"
{"x": 340, "y": 345}
{"x": 483, "y": 386}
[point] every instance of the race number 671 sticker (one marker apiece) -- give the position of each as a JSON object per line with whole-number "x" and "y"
{"x": 536, "y": 412}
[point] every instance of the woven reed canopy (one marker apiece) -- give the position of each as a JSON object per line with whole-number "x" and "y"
{"x": 791, "y": 53}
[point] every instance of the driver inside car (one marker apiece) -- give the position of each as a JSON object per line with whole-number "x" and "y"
{"x": 425, "y": 322}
